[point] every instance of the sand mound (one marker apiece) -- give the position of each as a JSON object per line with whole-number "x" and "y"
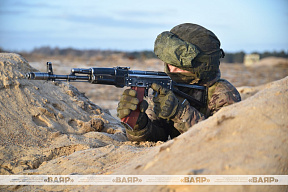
{"x": 246, "y": 138}
{"x": 248, "y": 91}
{"x": 40, "y": 120}
{"x": 272, "y": 62}
{"x": 249, "y": 137}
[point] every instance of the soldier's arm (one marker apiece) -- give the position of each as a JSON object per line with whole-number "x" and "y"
{"x": 186, "y": 117}
{"x": 223, "y": 94}
{"x": 156, "y": 129}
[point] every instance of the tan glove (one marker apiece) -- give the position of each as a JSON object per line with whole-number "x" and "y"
{"x": 165, "y": 102}
{"x": 128, "y": 103}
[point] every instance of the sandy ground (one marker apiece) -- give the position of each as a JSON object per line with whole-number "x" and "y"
{"x": 52, "y": 128}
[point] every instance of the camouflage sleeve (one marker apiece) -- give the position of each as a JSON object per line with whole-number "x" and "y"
{"x": 159, "y": 129}
{"x": 223, "y": 94}
{"x": 187, "y": 117}
{"x": 219, "y": 95}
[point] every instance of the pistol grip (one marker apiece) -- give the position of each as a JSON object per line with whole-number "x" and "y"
{"x": 131, "y": 119}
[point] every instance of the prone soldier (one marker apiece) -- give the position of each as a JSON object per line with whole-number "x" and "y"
{"x": 191, "y": 55}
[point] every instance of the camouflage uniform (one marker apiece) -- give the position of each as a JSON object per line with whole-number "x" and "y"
{"x": 220, "y": 94}
{"x": 196, "y": 51}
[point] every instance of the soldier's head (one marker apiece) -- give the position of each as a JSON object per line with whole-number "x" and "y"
{"x": 191, "y": 54}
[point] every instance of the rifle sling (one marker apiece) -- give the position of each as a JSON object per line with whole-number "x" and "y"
{"x": 194, "y": 102}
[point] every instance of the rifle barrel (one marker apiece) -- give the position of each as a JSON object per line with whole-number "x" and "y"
{"x": 47, "y": 76}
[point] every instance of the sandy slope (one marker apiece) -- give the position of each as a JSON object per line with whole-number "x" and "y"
{"x": 41, "y": 121}
{"x": 48, "y": 128}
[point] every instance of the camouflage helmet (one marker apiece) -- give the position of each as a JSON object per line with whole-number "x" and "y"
{"x": 193, "y": 48}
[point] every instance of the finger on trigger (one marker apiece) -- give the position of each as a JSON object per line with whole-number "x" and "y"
{"x": 156, "y": 87}
{"x": 161, "y": 90}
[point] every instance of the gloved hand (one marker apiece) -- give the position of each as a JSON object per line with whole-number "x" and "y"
{"x": 165, "y": 102}
{"x": 128, "y": 103}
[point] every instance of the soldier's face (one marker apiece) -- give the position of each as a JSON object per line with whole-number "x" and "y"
{"x": 173, "y": 69}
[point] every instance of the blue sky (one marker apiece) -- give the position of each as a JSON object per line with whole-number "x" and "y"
{"x": 128, "y": 25}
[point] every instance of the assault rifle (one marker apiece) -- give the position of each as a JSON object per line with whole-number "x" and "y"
{"x": 140, "y": 81}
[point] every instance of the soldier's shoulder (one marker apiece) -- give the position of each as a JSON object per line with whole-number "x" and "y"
{"x": 223, "y": 88}
{"x": 222, "y": 85}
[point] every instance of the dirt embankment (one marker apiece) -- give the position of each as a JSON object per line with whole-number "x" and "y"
{"x": 41, "y": 120}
